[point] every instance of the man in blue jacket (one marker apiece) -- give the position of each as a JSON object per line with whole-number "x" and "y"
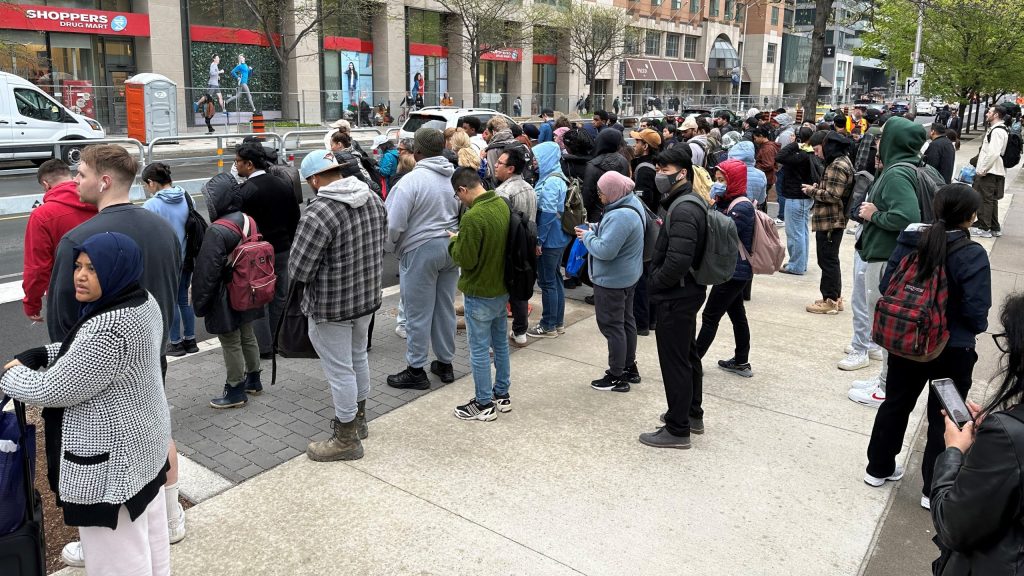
{"x": 547, "y": 122}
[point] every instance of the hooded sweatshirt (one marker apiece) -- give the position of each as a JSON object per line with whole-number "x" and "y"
{"x": 60, "y": 212}
{"x": 499, "y": 141}
{"x": 616, "y": 247}
{"x": 894, "y": 193}
{"x": 338, "y": 252}
{"x": 170, "y": 204}
{"x": 422, "y": 206}
{"x": 606, "y": 158}
{"x": 551, "y": 189}
{"x": 742, "y": 213}
{"x": 827, "y": 212}
{"x": 757, "y": 182}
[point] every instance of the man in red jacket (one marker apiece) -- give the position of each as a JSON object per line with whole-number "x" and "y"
{"x": 60, "y": 211}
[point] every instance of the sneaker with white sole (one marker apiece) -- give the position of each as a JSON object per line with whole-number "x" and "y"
{"x": 997, "y": 233}
{"x": 779, "y": 223}
{"x": 876, "y": 482}
{"x": 926, "y": 503}
{"x": 979, "y": 233}
{"x": 854, "y": 361}
{"x": 865, "y": 384}
{"x": 73, "y": 555}
{"x": 400, "y": 331}
{"x": 503, "y": 402}
{"x": 539, "y": 331}
{"x": 560, "y": 329}
{"x": 869, "y": 396}
{"x": 876, "y": 354}
{"x": 176, "y": 529}
{"x": 474, "y": 411}
{"x": 518, "y": 340}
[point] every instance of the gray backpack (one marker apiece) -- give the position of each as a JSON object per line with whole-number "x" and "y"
{"x": 721, "y": 246}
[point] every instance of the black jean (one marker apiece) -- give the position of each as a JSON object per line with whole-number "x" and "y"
{"x": 644, "y": 311}
{"x": 520, "y": 315}
{"x": 681, "y": 369}
{"x": 903, "y": 386}
{"x": 827, "y": 243}
{"x": 726, "y": 299}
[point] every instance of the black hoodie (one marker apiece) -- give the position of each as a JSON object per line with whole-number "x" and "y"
{"x": 606, "y": 158}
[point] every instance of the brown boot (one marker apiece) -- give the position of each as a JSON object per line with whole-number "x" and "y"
{"x": 343, "y": 445}
{"x": 361, "y": 428}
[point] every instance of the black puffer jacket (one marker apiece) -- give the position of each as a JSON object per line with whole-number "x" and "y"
{"x": 797, "y": 164}
{"x": 679, "y": 249}
{"x": 606, "y": 159}
{"x": 209, "y": 297}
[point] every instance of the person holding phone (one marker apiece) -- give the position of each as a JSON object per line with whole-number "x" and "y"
{"x": 945, "y": 243}
{"x": 976, "y": 504}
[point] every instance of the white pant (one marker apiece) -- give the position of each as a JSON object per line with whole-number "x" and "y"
{"x": 139, "y": 548}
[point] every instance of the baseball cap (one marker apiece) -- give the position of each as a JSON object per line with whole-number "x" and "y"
{"x": 647, "y": 135}
{"x": 316, "y": 163}
{"x": 689, "y": 124}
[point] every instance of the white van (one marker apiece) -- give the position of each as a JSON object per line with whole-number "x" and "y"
{"x": 27, "y": 114}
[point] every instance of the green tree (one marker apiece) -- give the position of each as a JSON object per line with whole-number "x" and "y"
{"x": 596, "y": 34}
{"x": 823, "y": 8}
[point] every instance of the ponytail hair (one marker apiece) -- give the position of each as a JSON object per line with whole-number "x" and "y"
{"x": 953, "y": 205}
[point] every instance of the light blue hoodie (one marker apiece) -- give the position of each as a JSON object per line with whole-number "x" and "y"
{"x": 551, "y": 189}
{"x": 757, "y": 183}
{"x": 617, "y": 248}
{"x": 170, "y": 204}
{"x": 422, "y": 206}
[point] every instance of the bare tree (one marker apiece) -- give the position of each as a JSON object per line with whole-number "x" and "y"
{"x": 823, "y": 9}
{"x": 596, "y": 34}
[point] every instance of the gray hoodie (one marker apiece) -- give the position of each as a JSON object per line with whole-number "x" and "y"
{"x": 422, "y": 206}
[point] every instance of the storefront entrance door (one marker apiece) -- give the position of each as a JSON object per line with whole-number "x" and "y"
{"x": 118, "y": 65}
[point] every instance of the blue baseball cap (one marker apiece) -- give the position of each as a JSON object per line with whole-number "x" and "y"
{"x": 317, "y": 162}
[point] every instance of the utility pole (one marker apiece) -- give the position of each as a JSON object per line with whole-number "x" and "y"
{"x": 917, "y": 55}
{"x": 739, "y": 85}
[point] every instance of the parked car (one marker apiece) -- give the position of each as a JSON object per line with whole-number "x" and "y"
{"x": 900, "y": 107}
{"x": 27, "y": 114}
{"x": 442, "y": 117}
{"x": 925, "y": 108}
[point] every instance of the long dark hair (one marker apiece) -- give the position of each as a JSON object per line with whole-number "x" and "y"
{"x": 953, "y": 204}
{"x": 1011, "y": 390}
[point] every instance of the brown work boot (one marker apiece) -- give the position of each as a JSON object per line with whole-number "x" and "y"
{"x": 361, "y": 428}
{"x": 343, "y": 445}
{"x": 829, "y": 306}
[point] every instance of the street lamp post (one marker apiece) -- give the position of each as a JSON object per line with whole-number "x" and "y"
{"x": 743, "y": 43}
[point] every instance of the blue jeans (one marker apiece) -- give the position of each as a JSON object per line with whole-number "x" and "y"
{"x": 486, "y": 328}
{"x": 797, "y": 235}
{"x": 778, "y": 193}
{"x": 183, "y": 313}
{"x": 552, "y": 296}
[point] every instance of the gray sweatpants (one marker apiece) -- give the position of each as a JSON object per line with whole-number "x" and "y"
{"x": 242, "y": 89}
{"x": 428, "y": 277}
{"x": 342, "y": 350}
{"x": 872, "y": 276}
{"x": 614, "y": 310}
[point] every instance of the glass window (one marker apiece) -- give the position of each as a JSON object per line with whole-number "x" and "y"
{"x": 789, "y": 18}
{"x": 653, "y": 43}
{"x": 655, "y": 2}
{"x": 728, "y": 9}
{"x": 805, "y": 17}
{"x": 32, "y": 104}
{"x": 72, "y": 57}
{"x": 425, "y": 27}
{"x": 222, "y": 13}
{"x": 714, "y": 7}
{"x": 25, "y": 55}
{"x": 672, "y": 46}
{"x": 772, "y": 49}
{"x": 723, "y": 57}
{"x": 775, "y": 15}
{"x": 633, "y": 37}
{"x": 690, "y": 48}
{"x": 694, "y": 6}
{"x": 677, "y": 4}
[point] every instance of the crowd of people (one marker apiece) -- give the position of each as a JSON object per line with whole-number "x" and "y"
{"x": 123, "y": 290}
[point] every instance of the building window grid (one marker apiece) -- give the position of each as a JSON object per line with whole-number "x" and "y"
{"x": 672, "y": 46}
{"x": 690, "y": 47}
{"x": 653, "y": 43}
{"x": 728, "y": 9}
{"x": 655, "y": 2}
{"x": 775, "y": 15}
{"x": 772, "y": 50}
{"x": 714, "y": 7}
{"x": 694, "y": 6}
{"x": 677, "y": 4}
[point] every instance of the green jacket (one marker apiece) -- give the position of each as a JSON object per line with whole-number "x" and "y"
{"x": 895, "y": 191}
{"x": 479, "y": 248}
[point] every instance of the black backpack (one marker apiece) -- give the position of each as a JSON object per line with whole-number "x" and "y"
{"x": 1014, "y": 147}
{"x": 520, "y": 255}
{"x": 530, "y": 168}
{"x": 195, "y": 230}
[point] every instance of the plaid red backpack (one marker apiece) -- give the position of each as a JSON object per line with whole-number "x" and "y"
{"x": 910, "y": 317}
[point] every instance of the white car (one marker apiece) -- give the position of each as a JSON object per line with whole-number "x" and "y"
{"x": 925, "y": 108}
{"x": 442, "y": 117}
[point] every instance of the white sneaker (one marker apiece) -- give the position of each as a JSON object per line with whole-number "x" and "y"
{"x": 400, "y": 330}
{"x": 926, "y": 503}
{"x": 979, "y": 233}
{"x": 865, "y": 384}
{"x": 517, "y": 340}
{"x": 73, "y": 555}
{"x": 876, "y": 354}
{"x": 876, "y": 482}
{"x": 176, "y": 530}
{"x": 779, "y": 223}
{"x": 997, "y": 233}
{"x": 869, "y": 396}
{"x": 854, "y": 361}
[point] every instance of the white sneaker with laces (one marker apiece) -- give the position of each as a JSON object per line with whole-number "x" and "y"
{"x": 926, "y": 503}
{"x": 779, "y": 223}
{"x": 400, "y": 330}
{"x": 517, "y": 339}
{"x": 868, "y": 396}
{"x": 73, "y": 555}
{"x": 176, "y": 529}
{"x": 876, "y": 354}
{"x": 865, "y": 384}
{"x": 854, "y": 361}
{"x": 876, "y": 482}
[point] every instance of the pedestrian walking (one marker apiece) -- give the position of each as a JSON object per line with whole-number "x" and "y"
{"x": 59, "y": 213}
{"x": 479, "y": 250}
{"x": 551, "y": 189}
{"x": 679, "y": 250}
{"x": 990, "y": 179}
{"x": 944, "y": 244}
{"x": 206, "y": 109}
{"x": 421, "y": 210}
{"x": 114, "y": 442}
{"x": 828, "y": 217}
{"x": 616, "y": 249}
{"x": 169, "y": 202}
{"x": 338, "y": 255}
{"x": 517, "y": 107}
{"x": 508, "y": 170}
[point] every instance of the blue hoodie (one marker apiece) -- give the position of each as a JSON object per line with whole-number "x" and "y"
{"x": 170, "y": 205}
{"x": 757, "y": 183}
{"x": 617, "y": 247}
{"x": 550, "y": 196}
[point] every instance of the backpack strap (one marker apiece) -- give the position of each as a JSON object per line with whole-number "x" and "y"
{"x": 643, "y": 222}
{"x": 246, "y": 232}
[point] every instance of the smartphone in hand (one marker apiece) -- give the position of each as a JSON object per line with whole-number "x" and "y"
{"x": 952, "y": 402}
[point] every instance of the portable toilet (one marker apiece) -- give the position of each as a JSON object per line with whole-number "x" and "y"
{"x": 152, "y": 101}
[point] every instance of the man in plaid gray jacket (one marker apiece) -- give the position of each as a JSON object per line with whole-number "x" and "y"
{"x": 338, "y": 253}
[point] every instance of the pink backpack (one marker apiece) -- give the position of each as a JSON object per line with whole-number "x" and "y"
{"x": 252, "y": 267}
{"x": 768, "y": 251}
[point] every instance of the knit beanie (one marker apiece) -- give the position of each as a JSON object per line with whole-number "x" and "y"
{"x": 428, "y": 142}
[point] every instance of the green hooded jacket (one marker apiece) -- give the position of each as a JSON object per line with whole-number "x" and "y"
{"x": 895, "y": 192}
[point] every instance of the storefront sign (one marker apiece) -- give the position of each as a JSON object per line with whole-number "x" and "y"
{"x": 504, "y": 55}
{"x": 77, "y": 20}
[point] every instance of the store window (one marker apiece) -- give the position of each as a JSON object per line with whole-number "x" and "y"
{"x": 26, "y": 55}
{"x": 545, "y": 79}
{"x": 775, "y": 15}
{"x": 72, "y": 57}
{"x": 690, "y": 47}
{"x": 222, "y": 13}
{"x": 494, "y": 86}
{"x": 672, "y": 46}
{"x": 653, "y": 43}
{"x": 772, "y": 50}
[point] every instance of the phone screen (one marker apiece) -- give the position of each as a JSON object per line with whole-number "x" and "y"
{"x": 950, "y": 398}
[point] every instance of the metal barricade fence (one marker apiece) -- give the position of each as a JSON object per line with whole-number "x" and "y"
{"x": 69, "y": 151}
{"x": 193, "y": 153}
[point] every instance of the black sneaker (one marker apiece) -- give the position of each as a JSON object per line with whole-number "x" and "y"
{"x": 730, "y": 365}
{"x": 589, "y": 300}
{"x": 631, "y": 374}
{"x": 503, "y": 402}
{"x": 410, "y": 378}
{"x": 443, "y": 371}
{"x": 176, "y": 350}
{"x": 474, "y": 411}
{"x": 609, "y": 383}
{"x": 190, "y": 346}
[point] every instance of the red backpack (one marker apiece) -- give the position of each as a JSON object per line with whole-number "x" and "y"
{"x": 910, "y": 317}
{"x": 252, "y": 267}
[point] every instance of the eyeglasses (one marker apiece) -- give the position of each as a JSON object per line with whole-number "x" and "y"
{"x": 1002, "y": 342}
{"x": 500, "y": 163}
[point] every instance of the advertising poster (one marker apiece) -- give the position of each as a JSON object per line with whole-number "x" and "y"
{"x": 417, "y": 76}
{"x": 78, "y": 97}
{"x": 357, "y": 77}
{"x": 428, "y": 78}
